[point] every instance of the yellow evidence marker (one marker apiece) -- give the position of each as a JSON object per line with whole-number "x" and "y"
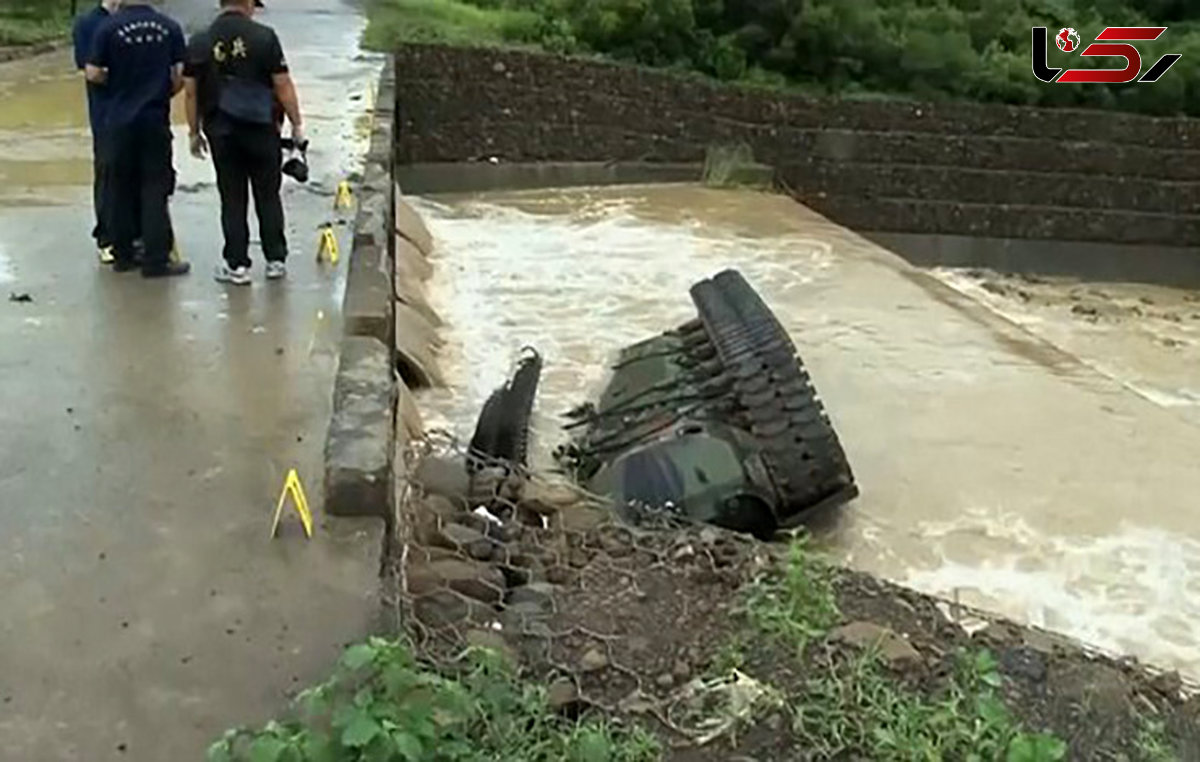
{"x": 328, "y": 247}
{"x": 292, "y": 486}
{"x": 345, "y": 198}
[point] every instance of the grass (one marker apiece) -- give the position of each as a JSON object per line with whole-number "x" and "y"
{"x": 1152, "y": 742}
{"x": 28, "y": 22}
{"x": 391, "y": 22}
{"x": 384, "y": 704}
{"x": 797, "y": 603}
{"x": 852, "y": 707}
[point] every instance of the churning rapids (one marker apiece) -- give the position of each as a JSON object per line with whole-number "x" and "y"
{"x": 994, "y": 469}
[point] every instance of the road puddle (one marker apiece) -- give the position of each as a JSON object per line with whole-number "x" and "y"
{"x": 989, "y": 473}
{"x": 45, "y": 142}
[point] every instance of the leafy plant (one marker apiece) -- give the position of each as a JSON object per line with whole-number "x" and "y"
{"x": 383, "y": 705}
{"x": 1152, "y": 742}
{"x": 795, "y": 604}
{"x": 857, "y": 708}
{"x": 929, "y": 49}
{"x": 26, "y": 22}
{"x": 853, "y": 707}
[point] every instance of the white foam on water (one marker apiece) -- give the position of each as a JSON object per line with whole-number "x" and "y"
{"x": 1167, "y": 398}
{"x": 1136, "y": 591}
{"x": 7, "y": 273}
{"x": 577, "y": 286}
{"x": 585, "y": 279}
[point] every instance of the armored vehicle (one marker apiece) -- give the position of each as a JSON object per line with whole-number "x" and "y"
{"x": 716, "y": 420}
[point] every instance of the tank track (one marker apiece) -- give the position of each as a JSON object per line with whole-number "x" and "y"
{"x": 773, "y": 398}
{"x": 502, "y": 431}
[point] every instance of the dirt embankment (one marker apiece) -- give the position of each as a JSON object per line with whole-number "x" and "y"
{"x": 732, "y": 649}
{"x": 1094, "y": 302}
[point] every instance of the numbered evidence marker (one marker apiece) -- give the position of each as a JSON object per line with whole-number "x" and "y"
{"x": 292, "y": 486}
{"x": 327, "y": 248}
{"x": 345, "y": 198}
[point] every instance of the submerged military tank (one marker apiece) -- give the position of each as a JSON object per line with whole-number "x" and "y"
{"x": 716, "y": 420}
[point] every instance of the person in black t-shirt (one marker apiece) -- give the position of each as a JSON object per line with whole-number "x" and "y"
{"x": 236, "y": 82}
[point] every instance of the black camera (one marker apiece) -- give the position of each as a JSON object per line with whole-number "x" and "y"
{"x": 295, "y": 159}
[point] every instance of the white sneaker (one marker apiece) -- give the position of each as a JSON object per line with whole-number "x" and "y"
{"x": 276, "y": 270}
{"x": 237, "y": 276}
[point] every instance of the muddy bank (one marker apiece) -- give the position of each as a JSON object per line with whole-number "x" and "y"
{"x": 634, "y": 624}
{"x": 1145, "y": 337}
{"x": 17, "y": 52}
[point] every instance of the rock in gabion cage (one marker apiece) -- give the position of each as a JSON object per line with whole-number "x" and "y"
{"x": 616, "y": 612}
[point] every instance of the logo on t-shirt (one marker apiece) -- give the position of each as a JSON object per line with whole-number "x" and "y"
{"x": 237, "y": 49}
{"x": 142, "y": 32}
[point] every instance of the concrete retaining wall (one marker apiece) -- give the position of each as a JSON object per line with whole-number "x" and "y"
{"x": 949, "y": 168}
{"x": 390, "y": 342}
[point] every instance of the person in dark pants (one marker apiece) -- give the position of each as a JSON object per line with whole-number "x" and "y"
{"x": 83, "y": 34}
{"x": 137, "y": 56}
{"x": 238, "y": 89}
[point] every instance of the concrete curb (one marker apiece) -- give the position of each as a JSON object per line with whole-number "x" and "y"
{"x": 390, "y": 345}
{"x": 410, "y": 226}
{"x": 367, "y": 306}
{"x": 358, "y": 450}
{"x": 361, "y": 440}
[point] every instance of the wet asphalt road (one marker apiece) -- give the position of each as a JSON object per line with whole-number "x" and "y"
{"x": 145, "y": 429}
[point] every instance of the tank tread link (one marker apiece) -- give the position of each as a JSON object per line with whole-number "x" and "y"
{"x": 717, "y": 420}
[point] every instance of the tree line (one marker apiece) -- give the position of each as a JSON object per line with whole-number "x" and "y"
{"x": 924, "y": 49}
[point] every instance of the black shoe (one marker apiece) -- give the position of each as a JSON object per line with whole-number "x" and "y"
{"x": 125, "y": 265}
{"x": 167, "y": 270}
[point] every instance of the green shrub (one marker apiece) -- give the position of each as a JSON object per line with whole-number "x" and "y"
{"x": 25, "y": 22}
{"x": 385, "y": 704}
{"x": 929, "y": 49}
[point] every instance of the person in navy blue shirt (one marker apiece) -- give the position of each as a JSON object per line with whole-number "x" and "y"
{"x": 83, "y": 35}
{"x": 137, "y": 56}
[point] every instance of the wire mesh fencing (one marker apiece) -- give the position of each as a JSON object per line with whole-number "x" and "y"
{"x": 617, "y": 610}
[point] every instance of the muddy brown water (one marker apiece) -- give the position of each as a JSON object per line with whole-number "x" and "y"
{"x": 996, "y": 467}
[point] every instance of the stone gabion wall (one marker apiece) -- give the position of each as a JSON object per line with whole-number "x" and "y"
{"x": 952, "y": 168}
